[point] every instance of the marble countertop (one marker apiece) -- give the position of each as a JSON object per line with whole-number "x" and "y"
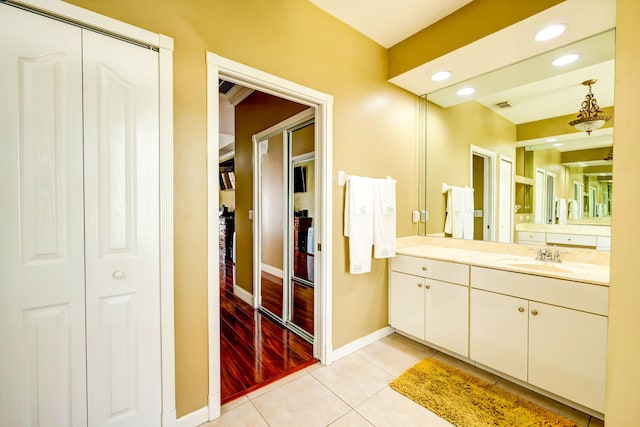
{"x": 587, "y": 230}
{"x": 579, "y": 265}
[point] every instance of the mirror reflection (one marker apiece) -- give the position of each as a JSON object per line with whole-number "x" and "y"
{"x": 533, "y": 178}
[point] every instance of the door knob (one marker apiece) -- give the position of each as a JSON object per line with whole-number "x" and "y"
{"x": 534, "y": 312}
{"x": 419, "y": 285}
{"x": 424, "y": 268}
{"x": 520, "y": 309}
{"x": 428, "y": 286}
{"x": 118, "y": 275}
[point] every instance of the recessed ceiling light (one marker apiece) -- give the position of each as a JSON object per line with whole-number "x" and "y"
{"x": 466, "y": 91}
{"x": 550, "y": 32}
{"x": 440, "y": 75}
{"x": 565, "y": 59}
{"x": 551, "y": 139}
{"x": 558, "y": 144}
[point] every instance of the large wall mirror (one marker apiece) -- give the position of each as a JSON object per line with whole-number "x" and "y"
{"x": 511, "y": 142}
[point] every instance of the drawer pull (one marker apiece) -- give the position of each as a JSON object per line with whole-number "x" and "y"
{"x": 424, "y": 268}
{"x": 521, "y": 309}
{"x": 419, "y": 285}
{"x": 534, "y": 312}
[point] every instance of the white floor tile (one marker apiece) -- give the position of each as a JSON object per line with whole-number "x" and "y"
{"x": 244, "y": 415}
{"x": 301, "y": 402}
{"x": 282, "y": 381}
{"x": 390, "y": 408}
{"x": 393, "y": 357}
{"x": 352, "y": 419}
{"x": 353, "y": 378}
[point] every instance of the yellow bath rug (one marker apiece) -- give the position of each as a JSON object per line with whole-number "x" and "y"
{"x": 467, "y": 401}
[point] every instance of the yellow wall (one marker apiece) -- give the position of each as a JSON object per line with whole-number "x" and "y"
{"x": 374, "y": 134}
{"x": 623, "y": 370}
{"x": 450, "y": 133}
{"x": 455, "y": 30}
{"x": 258, "y": 112}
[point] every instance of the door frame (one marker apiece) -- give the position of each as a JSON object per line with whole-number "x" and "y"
{"x": 510, "y": 195}
{"x": 75, "y": 14}
{"x": 220, "y": 67}
{"x": 489, "y": 215}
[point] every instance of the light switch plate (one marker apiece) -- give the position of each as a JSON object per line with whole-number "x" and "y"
{"x": 415, "y": 216}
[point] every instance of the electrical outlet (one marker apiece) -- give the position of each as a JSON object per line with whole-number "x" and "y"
{"x": 424, "y": 216}
{"x": 415, "y": 216}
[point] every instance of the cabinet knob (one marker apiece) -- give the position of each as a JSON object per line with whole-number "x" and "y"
{"x": 521, "y": 309}
{"x": 118, "y": 275}
{"x": 534, "y": 312}
{"x": 428, "y": 286}
{"x": 424, "y": 268}
{"x": 419, "y": 285}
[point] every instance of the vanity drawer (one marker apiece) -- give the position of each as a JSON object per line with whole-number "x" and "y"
{"x": 563, "y": 293}
{"x": 571, "y": 239}
{"x": 432, "y": 269}
{"x": 531, "y": 236}
{"x": 603, "y": 242}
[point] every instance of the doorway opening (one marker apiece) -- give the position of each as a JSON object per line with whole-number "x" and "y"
{"x": 483, "y": 181}
{"x": 245, "y": 215}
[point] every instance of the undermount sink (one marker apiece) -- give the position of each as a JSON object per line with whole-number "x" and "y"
{"x": 543, "y": 266}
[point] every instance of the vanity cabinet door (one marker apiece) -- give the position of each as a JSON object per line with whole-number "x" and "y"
{"x": 567, "y": 353}
{"x": 447, "y": 316}
{"x": 498, "y": 332}
{"x": 406, "y": 303}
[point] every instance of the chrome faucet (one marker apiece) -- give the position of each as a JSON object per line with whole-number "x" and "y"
{"x": 548, "y": 255}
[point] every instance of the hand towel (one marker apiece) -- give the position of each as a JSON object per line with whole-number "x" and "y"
{"x": 457, "y": 212}
{"x": 561, "y": 211}
{"x": 358, "y": 222}
{"x": 384, "y": 218}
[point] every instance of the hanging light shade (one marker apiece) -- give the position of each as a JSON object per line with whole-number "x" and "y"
{"x": 590, "y": 116}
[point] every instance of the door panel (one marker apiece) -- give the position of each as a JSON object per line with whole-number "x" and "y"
{"x": 122, "y": 238}
{"x": 41, "y": 223}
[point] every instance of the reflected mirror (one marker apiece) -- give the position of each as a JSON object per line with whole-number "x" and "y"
{"x": 511, "y": 143}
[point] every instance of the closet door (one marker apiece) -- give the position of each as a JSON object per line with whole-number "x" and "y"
{"x": 42, "y": 311}
{"x": 122, "y": 232}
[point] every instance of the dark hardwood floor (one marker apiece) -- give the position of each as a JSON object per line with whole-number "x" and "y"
{"x": 254, "y": 350}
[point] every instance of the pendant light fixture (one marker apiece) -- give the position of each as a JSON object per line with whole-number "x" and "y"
{"x": 590, "y": 116}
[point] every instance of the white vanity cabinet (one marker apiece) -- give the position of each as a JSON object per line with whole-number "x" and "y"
{"x": 429, "y": 300}
{"x": 548, "y": 332}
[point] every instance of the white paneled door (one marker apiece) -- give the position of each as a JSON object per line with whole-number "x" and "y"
{"x": 79, "y": 260}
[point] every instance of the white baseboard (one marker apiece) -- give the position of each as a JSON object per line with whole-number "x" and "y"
{"x": 194, "y": 419}
{"x": 272, "y": 270}
{"x": 243, "y": 295}
{"x": 356, "y": 345}
{"x": 214, "y": 406}
{"x": 169, "y": 419}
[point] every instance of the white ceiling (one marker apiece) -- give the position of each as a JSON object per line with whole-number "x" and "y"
{"x": 388, "y": 22}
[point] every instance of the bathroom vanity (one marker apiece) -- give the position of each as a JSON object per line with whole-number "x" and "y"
{"x": 540, "y": 324}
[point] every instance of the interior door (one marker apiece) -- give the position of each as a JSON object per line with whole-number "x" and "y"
{"x": 122, "y": 232}
{"x": 42, "y": 329}
{"x": 301, "y": 250}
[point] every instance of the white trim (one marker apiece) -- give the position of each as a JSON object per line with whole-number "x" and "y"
{"x": 280, "y": 127}
{"x": 194, "y": 418}
{"x": 165, "y": 70}
{"x": 213, "y": 250}
{"x": 274, "y": 271}
{"x": 250, "y": 77}
{"x": 512, "y": 190}
{"x": 93, "y": 19}
{"x": 244, "y": 295}
{"x": 360, "y": 343}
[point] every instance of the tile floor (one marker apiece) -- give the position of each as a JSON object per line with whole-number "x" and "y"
{"x": 354, "y": 391}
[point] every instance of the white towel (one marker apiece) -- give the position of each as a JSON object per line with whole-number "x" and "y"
{"x": 454, "y": 223}
{"x": 467, "y": 215}
{"x": 358, "y": 222}
{"x": 561, "y": 211}
{"x": 572, "y": 206}
{"x": 384, "y": 218}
